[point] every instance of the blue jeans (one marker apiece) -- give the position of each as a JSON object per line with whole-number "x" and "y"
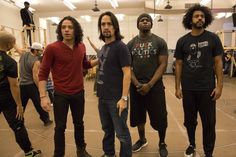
{"x": 111, "y": 123}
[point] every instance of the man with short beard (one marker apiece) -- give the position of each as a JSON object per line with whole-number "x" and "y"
{"x": 113, "y": 86}
{"x": 198, "y": 60}
{"x": 147, "y": 92}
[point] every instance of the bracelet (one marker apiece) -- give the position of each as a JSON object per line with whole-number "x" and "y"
{"x": 42, "y": 96}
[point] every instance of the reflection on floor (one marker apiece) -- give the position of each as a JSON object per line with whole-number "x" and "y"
{"x": 42, "y": 137}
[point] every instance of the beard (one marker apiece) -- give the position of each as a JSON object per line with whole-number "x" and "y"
{"x": 106, "y": 35}
{"x": 198, "y": 25}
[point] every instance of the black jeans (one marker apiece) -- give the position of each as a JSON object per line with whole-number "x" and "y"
{"x": 31, "y": 92}
{"x": 200, "y": 101}
{"x": 61, "y": 106}
{"x": 17, "y": 126}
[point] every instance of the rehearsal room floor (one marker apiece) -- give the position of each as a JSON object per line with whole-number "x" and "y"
{"x": 176, "y": 138}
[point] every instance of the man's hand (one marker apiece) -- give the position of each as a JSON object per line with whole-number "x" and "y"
{"x": 121, "y": 105}
{"x": 144, "y": 89}
{"x": 19, "y": 112}
{"x": 216, "y": 93}
{"x": 179, "y": 94}
{"x": 45, "y": 103}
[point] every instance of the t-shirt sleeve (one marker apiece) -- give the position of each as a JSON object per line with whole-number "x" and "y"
{"x": 46, "y": 63}
{"x": 163, "y": 47}
{"x": 218, "y": 48}
{"x": 10, "y": 67}
{"x": 125, "y": 57}
{"x": 178, "y": 50}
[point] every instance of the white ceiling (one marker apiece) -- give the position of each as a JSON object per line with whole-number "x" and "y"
{"x": 125, "y": 6}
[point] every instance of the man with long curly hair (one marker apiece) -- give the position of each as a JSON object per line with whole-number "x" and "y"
{"x": 198, "y": 61}
{"x": 66, "y": 58}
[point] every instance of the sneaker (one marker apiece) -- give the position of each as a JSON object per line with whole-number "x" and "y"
{"x": 81, "y": 152}
{"x": 139, "y": 145}
{"x": 48, "y": 122}
{"x": 104, "y": 155}
{"x": 162, "y": 150}
{"x": 189, "y": 151}
{"x": 33, "y": 153}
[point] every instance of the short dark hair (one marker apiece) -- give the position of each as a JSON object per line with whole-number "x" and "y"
{"x": 26, "y": 3}
{"x": 78, "y": 32}
{"x": 187, "y": 19}
{"x": 115, "y": 24}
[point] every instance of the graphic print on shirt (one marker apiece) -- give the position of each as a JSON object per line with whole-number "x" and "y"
{"x": 144, "y": 50}
{"x": 102, "y": 60}
{"x": 193, "y": 58}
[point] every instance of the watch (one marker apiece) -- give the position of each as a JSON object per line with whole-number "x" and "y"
{"x": 125, "y": 98}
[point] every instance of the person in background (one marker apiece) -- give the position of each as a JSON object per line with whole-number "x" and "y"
{"x": 198, "y": 60}
{"x": 113, "y": 86}
{"x": 147, "y": 93}
{"x": 66, "y": 59}
{"x": 97, "y": 51}
{"x": 27, "y": 20}
{"x": 10, "y": 103}
{"x": 29, "y": 69}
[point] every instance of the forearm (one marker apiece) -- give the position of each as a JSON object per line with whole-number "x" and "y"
{"x": 134, "y": 79}
{"x": 126, "y": 82}
{"x": 219, "y": 72}
{"x": 158, "y": 74}
{"x": 42, "y": 88}
{"x": 178, "y": 74}
{"x": 15, "y": 91}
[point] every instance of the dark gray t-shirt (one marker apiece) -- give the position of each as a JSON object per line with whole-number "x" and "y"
{"x": 112, "y": 58}
{"x": 197, "y": 53}
{"x": 145, "y": 54}
{"x": 26, "y": 66}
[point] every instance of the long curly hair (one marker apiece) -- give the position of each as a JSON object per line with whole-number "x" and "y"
{"x": 187, "y": 19}
{"x": 114, "y": 23}
{"x": 78, "y": 32}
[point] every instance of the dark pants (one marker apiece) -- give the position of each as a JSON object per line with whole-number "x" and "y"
{"x": 200, "y": 101}
{"x": 17, "y": 126}
{"x": 61, "y": 106}
{"x": 153, "y": 103}
{"x": 51, "y": 95}
{"x": 31, "y": 92}
{"x": 111, "y": 123}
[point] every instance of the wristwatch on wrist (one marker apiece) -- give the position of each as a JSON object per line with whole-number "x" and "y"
{"x": 125, "y": 98}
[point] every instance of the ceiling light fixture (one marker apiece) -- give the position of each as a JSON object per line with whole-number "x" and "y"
{"x": 160, "y": 19}
{"x": 159, "y": 2}
{"x": 114, "y": 3}
{"x": 87, "y": 18}
{"x": 96, "y": 9}
{"x": 69, "y": 4}
{"x": 204, "y": 2}
{"x": 120, "y": 17}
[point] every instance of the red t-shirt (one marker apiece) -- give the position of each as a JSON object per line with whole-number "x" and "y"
{"x": 66, "y": 66}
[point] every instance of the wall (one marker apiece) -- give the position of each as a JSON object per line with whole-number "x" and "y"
{"x": 170, "y": 29}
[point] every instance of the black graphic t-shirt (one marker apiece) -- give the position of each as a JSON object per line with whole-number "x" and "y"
{"x": 197, "y": 53}
{"x": 145, "y": 54}
{"x": 8, "y": 68}
{"x": 112, "y": 58}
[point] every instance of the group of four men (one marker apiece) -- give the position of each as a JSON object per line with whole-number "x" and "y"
{"x": 137, "y": 66}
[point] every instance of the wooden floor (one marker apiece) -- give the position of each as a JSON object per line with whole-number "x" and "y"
{"x": 42, "y": 137}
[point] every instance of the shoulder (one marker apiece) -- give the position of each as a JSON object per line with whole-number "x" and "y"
{"x": 157, "y": 38}
{"x": 211, "y": 34}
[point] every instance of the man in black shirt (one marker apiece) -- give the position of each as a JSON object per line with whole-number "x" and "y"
{"x": 147, "y": 92}
{"x": 198, "y": 60}
{"x": 10, "y": 103}
{"x": 27, "y": 20}
{"x": 113, "y": 86}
